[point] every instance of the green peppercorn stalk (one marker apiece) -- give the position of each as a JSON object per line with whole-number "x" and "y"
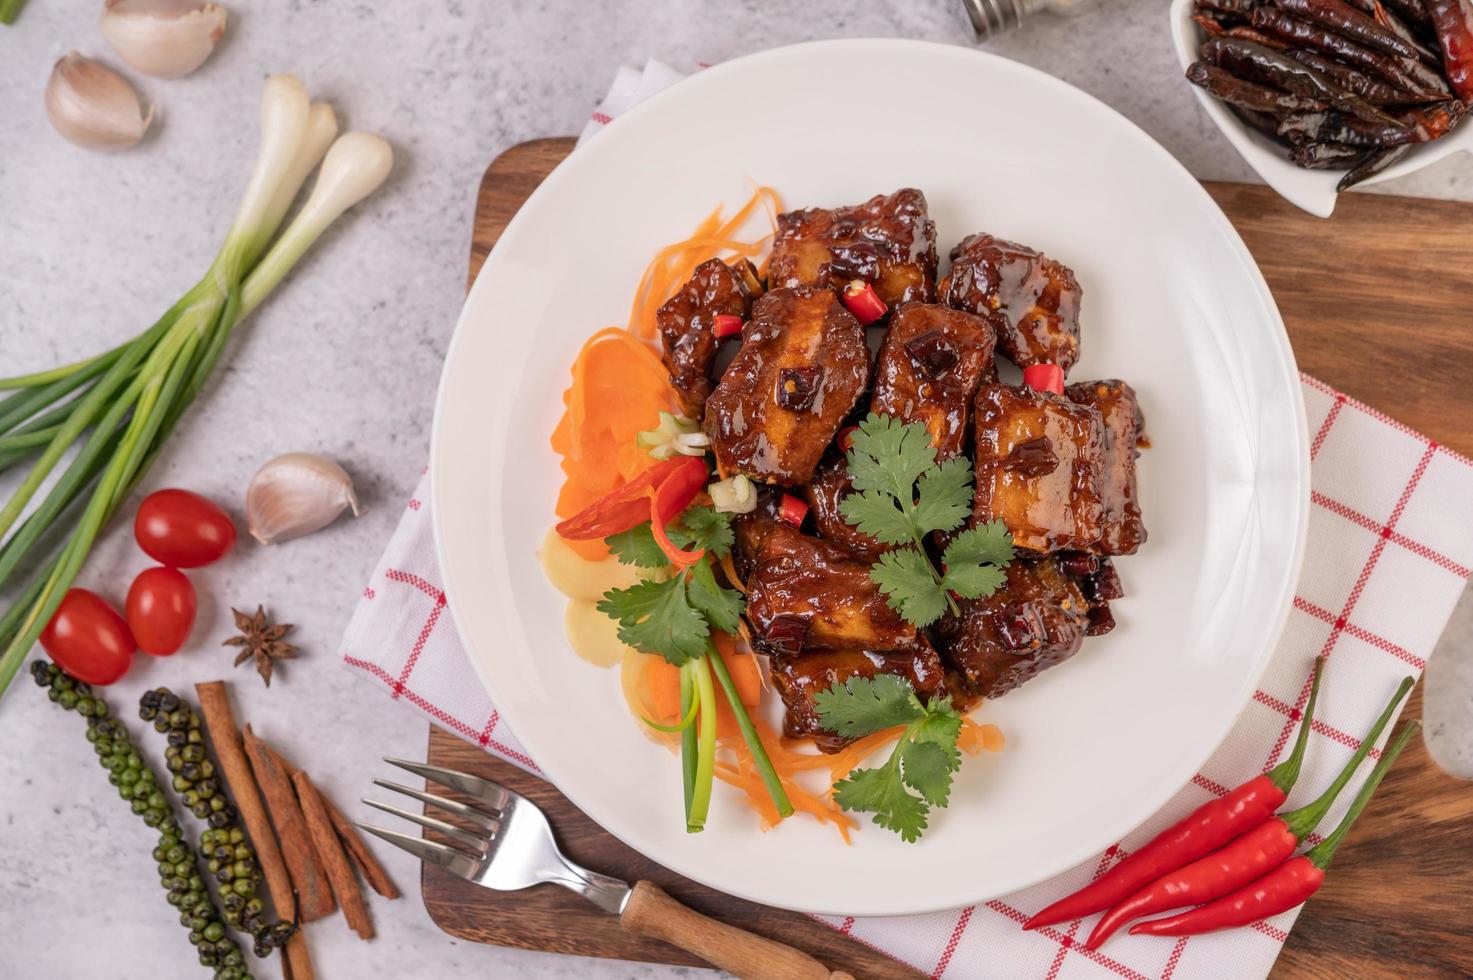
{"x": 115, "y": 411}
{"x": 229, "y": 858}
{"x": 178, "y": 864}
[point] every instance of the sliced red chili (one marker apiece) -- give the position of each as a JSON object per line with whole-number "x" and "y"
{"x": 726, "y": 325}
{"x": 1044, "y": 377}
{"x": 862, "y": 300}
{"x": 626, "y": 507}
{"x": 793, "y": 510}
{"x": 846, "y": 437}
{"x": 672, "y": 496}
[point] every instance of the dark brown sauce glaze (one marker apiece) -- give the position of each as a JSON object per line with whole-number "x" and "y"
{"x": 888, "y": 241}
{"x": 801, "y": 348}
{"x": 1117, "y": 404}
{"x": 1031, "y": 300}
{"x": 825, "y": 495}
{"x": 930, "y": 365}
{"x": 799, "y": 678}
{"x": 1039, "y": 459}
{"x": 686, "y": 322}
{"x": 1036, "y": 621}
{"x": 801, "y": 578}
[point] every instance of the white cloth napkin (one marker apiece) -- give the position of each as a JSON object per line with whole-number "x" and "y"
{"x": 1389, "y": 551}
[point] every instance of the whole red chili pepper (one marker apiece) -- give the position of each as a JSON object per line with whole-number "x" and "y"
{"x": 1246, "y": 859}
{"x": 1201, "y": 832}
{"x": 1453, "y": 21}
{"x": 1286, "y": 886}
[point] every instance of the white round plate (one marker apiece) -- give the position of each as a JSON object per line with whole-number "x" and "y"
{"x": 1172, "y": 302}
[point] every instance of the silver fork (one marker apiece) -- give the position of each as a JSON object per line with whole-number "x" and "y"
{"x": 514, "y": 848}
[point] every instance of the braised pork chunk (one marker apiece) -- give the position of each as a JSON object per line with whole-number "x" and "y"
{"x": 805, "y": 594}
{"x": 802, "y": 367}
{"x": 888, "y": 241}
{"x": 1031, "y": 300}
{"x": 1036, "y": 621}
{"x": 1116, "y": 402}
{"x": 686, "y": 323}
{"x": 799, "y": 678}
{"x": 1039, "y": 462}
{"x": 825, "y": 495}
{"x": 929, "y": 367}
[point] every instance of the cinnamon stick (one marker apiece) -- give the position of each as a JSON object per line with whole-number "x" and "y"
{"x": 314, "y": 896}
{"x": 214, "y": 708}
{"x": 339, "y": 872}
{"x": 358, "y": 852}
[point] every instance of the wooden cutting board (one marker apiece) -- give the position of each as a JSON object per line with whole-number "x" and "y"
{"x": 1379, "y": 303}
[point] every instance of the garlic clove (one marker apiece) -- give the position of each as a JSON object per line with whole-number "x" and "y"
{"x": 163, "y": 38}
{"x": 93, "y": 106}
{"x": 296, "y": 494}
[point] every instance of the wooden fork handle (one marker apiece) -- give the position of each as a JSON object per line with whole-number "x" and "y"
{"x": 651, "y": 912}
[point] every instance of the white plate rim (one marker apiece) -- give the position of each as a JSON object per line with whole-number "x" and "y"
{"x": 453, "y": 568}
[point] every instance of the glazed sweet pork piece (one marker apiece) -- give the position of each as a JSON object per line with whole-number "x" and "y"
{"x": 888, "y": 241}
{"x": 1118, "y": 406}
{"x": 1037, "y": 620}
{"x": 687, "y": 320}
{"x": 802, "y": 367}
{"x": 799, "y": 678}
{"x": 1039, "y": 464}
{"x": 1031, "y": 300}
{"x": 1098, "y": 582}
{"x": 826, "y": 492}
{"x": 932, "y": 361}
{"x": 804, "y": 593}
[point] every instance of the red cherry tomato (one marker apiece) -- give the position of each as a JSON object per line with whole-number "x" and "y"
{"x": 160, "y": 610}
{"x": 88, "y": 639}
{"x": 182, "y": 529}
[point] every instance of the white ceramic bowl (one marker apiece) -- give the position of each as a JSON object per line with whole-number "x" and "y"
{"x": 1172, "y": 302}
{"x": 1312, "y": 190}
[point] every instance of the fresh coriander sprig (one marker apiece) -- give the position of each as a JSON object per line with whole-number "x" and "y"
{"x": 903, "y": 494}
{"x": 675, "y": 618}
{"x": 918, "y": 774}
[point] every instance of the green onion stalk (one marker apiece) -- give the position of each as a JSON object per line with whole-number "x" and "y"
{"x": 697, "y": 730}
{"x": 10, "y": 10}
{"x": 114, "y": 412}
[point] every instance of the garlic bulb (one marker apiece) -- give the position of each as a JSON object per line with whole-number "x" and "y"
{"x": 163, "y": 38}
{"x": 296, "y": 494}
{"x": 94, "y": 106}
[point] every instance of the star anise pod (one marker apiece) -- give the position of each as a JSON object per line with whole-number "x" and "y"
{"x": 262, "y": 640}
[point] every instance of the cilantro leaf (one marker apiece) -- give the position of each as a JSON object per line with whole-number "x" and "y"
{"x": 877, "y": 515}
{"x": 974, "y": 558}
{"x": 863, "y": 705}
{"x": 657, "y": 617}
{"x": 721, "y": 607}
{"x": 703, "y": 527}
{"x": 924, "y": 759}
{"x": 881, "y": 792}
{"x": 909, "y": 583}
{"x": 991, "y": 543}
{"x": 926, "y": 768}
{"x": 944, "y": 496}
{"x": 888, "y": 455}
{"x": 637, "y": 546}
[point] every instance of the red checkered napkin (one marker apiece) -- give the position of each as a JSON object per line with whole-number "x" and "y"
{"x": 1389, "y": 550}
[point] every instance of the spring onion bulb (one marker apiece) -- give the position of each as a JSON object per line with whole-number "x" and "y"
{"x": 109, "y": 415}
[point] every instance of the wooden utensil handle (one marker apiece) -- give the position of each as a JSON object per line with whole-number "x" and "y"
{"x": 651, "y": 912}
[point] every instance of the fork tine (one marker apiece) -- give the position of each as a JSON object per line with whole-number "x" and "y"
{"x": 486, "y": 820}
{"x": 465, "y": 837}
{"x": 492, "y": 794}
{"x": 452, "y": 860}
